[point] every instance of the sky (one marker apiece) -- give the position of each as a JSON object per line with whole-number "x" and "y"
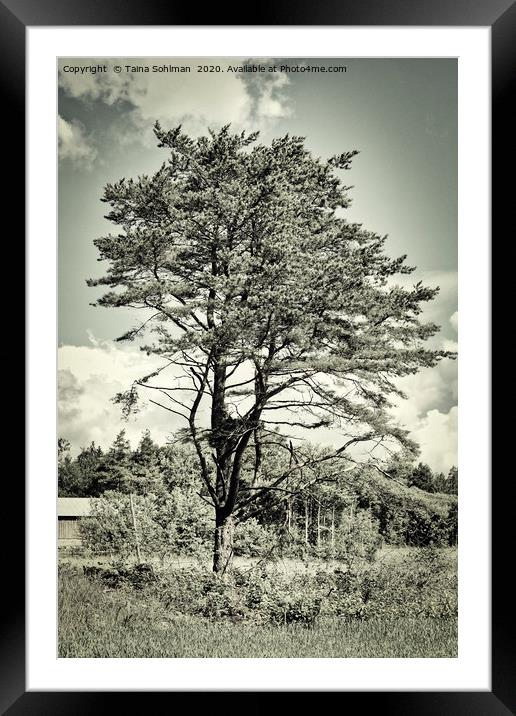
{"x": 400, "y": 114}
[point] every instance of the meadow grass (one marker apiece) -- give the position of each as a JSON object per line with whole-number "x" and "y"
{"x": 99, "y": 622}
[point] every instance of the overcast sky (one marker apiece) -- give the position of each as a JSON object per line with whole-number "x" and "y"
{"x": 400, "y": 114}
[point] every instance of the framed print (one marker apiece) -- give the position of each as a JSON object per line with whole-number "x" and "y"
{"x": 268, "y": 475}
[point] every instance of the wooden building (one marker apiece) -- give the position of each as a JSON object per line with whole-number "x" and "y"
{"x": 70, "y": 510}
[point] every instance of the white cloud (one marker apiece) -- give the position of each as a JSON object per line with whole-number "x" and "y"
{"x": 89, "y": 376}
{"x": 430, "y": 413}
{"x": 74, "y": 145}
{"x": 271, "y": 101}
{"x": 454, "y": 320}
{"x": 436, "y": 434}
{"x": 428, "y": 389}
{"x": 196, "y": 100}
{"x": 430, "y": 410}
{"x": 452, "y": 346}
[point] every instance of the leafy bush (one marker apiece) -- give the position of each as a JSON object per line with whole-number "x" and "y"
{"x": 253, "y": 539}
{"x": 257, "y": 596}
{"x": 409, "y": 515}
{"x": 98, "y": 622}
{"x": 453, "y": 524}
{"x": 137, "y": 576}
{"x": 422, "y": 584}
{"x": 175, "y": 524}
{"x": 425, "y": 528}
{"x": 303, "y": 609}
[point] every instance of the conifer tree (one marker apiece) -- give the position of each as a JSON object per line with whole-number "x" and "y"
{"x": 267, "y": 306}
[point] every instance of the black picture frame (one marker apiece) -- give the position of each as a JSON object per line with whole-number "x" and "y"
{"x": 500, "y": 16}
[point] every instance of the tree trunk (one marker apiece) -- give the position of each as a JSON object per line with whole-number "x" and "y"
{"x": 223, "y": 547}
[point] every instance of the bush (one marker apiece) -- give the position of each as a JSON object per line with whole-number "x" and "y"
{"x": 258, "y": 596}
{"x": 164, "y": 525}
{"x": 303, "y": 610}
{"x": 453, "y": 524}
{"x": 421, "y": 584}
{"x": 426, "y": 529}
{"x": 183, "y": 591}
{"x": 137, "y": 576}
{"x": 253, "y": 539}
{"x": 409, "y": 515}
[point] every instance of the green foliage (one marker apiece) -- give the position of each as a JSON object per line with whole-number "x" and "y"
{"x": 193, "y": 522}
{"x": 408, "y": 515}
{"x": 164, "y": 526}
{"x": 149, "y": 469}
{"x": 425, "y": 528}
{"x": 145, "y": 468}
{"x": 452, "y": 481}
{"x": 423, "y": 478}
{"x": 422, "y": 584}
{"x": 257, "y": 596}
{"x": 120, "y": 575}
{"x": 257, "y": 226}
{"x": 78, "y": 478}
{"x": 114, "y": 471}
{"x": 453, "y": 524}
{"x": 357, "y": 538}
{"x": 179, "y": 467}
{"x": 253, "y": 539}
{"x": 361, "y": 507}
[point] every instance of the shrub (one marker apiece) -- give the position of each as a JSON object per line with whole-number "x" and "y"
{"x": 425, "y": 528}
{"x": 421, "y": 584}
{"x": 164, "y": 525}
{"x": 303, "y": 609}
{"x": 453, "y": 524}
{"x": 253, "y": 539}
{"x": 409, "y": 515}
{"x": 183, "y": 590}
{"x": 119, "y": 575}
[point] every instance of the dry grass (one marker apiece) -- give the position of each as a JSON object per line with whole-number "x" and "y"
{"x": 287, "y": 565}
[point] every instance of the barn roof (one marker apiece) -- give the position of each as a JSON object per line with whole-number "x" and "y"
{"x": 73, "y": 506}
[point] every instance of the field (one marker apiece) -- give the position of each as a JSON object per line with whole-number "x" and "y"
{"x": 409, "y": 613}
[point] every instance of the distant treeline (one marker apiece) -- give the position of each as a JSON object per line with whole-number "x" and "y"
{"x": 405, "y": 504}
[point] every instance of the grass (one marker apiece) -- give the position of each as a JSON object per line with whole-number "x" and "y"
{"x": 200, "y": 639}
{"x": 99, "y": 622}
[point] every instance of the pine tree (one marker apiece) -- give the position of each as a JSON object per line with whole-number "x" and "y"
{"x": 114, "y": 472}
{"x": 423, "y": 477}
{"x": 452, "y": 481}
{"x": 264, "y": 299}
{"x": 67, "y": 478}
{"x": 146, "y": 477}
